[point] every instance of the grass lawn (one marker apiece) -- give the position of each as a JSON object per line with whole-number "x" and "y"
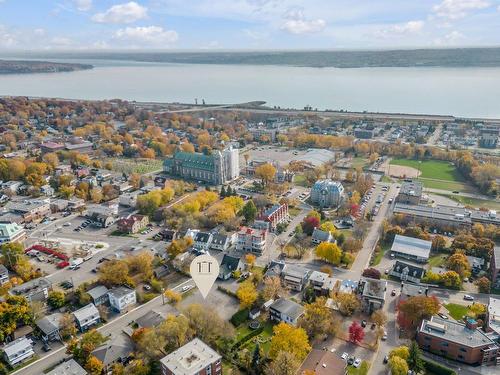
{"x": 361, "y": 370}
{"x": 264, "y": 338}
{"x": 347, "y": 232}
{"x": 135, "y": 165}
{"x": 456, "y": 311}
{"x": 437, "y": 260}
{"x": 446, "y": 185}
{"x": 433, "y": 169}
{"x": 386, "y": 179}
{"x": 378, "y": 257}
{"x": 359, "y": 162}
{"x": 300, "y": 180}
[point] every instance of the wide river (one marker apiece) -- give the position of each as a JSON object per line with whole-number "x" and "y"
{"x": 467, "y": 92}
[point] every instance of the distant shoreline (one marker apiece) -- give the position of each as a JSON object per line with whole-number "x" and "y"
{"x": 447, "y": 58}
{"x": 32, "y": 67}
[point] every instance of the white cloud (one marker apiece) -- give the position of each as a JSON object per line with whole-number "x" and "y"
{"x": 39, "y": 32}
{"x": 450, "y": 39}
{"x": 457, "y": 9}
{"x": 408, "y": 28}
{"x": 61, "y": 41}
{"x": 122, "y": 13}
{"x": 150, "y": 35}
{"x": 296, "y": 23}
{"x": 83, "y": 5}
{"x": 7, "y": 39}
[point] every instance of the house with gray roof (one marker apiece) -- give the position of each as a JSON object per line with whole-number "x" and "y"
{"x": 321, "y": 282}
{"x": 87, "y": 317}
{"x": 372, "y": 293}
{"x": 49, "y": 327}
{"x": 116, "y": 350}
{"x": 407, "y": 272}
{"x": 295, "y": 277}
{"x": 202, "y": 240}
{"x": 99, "y": 295}
{"x": 284, "y": 310}
{"x": 220, "y": 242}
{"x": 274, "y": 269}
{"x": 151, "y": 319}
{"x": 320, "y": 236}
{"x": 410, "y": 248}
{"x": 228, "y": 265}
{"x": 121, "y": 298}
{"x": 34, "y": 290}
{"x": 18, "y": 351}
{"x": 70, "y": 367}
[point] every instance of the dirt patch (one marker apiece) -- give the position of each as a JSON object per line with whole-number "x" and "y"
{"x": 400, "y": 171}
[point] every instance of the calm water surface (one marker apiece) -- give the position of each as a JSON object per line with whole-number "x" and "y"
{"x": 470, "y": 92}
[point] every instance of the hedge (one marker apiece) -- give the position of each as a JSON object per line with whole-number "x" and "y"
{"x": 239, "y": 317}
{"x": 244, "y": 339}
{"x": 437, "y": 368}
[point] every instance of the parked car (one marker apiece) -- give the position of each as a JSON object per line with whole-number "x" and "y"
{"x": 386, "y": 359}
{"x": 393, "y": 293}
{"x": 350, "y": 361}
{"x": 442, "y": 316}
{"x": 185, "y": 288}
{"x": 384, "y": 337}
{"x": 363, "y": 323}
{"x": 468, "y": 297}
{"x": 147, "y": 287}
{"x": 46, "y": 347}
{"x": 344, "y": 356}
{"x": 357, "y": 362}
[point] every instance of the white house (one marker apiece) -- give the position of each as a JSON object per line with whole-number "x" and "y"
{"x": 283, "y": 310}
{"x": 120, "y": 298}
{"x": 87, "y": 316}
{"x": 18, "y": 351}
{"x": 11, "y": 232}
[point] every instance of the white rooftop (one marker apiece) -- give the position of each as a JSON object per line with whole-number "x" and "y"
{"x": 191, "y": 358}
{"x": 411, "y": 246}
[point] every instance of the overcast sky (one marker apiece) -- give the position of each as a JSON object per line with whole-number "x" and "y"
{"x": 248, "y": 24}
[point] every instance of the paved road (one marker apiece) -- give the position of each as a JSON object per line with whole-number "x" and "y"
{"x": 363, "y": 257}
{"x": 113, "y": 327}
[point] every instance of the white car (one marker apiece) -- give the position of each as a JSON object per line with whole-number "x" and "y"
{"x": 185, "y": 288}
{"x": 468, "y": 297}
{"x": 344, "y": 356}
{"x": 357, "y": 362}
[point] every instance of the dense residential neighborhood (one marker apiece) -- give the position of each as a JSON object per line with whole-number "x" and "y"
{"x": 344, "y": 246}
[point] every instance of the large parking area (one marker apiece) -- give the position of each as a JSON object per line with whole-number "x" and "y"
{"x": 284, "y": 156}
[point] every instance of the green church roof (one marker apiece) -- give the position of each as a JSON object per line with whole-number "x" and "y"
{"x": 192, "y": 160}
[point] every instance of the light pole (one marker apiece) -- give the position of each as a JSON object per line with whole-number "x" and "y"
{"x": 162, "y": 296}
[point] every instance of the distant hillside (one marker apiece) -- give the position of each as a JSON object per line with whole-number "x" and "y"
{"x": 457, "y": 57}
{"x": 26, "y": 67}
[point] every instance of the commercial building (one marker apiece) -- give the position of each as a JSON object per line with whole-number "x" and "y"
{"x": 411, "y": 248}
{"x": 446, "y": 216}
{"x": 251, "y": 240}
{"x": 372, "y": 294}
{"x": 194, "y": 358}
{"x": 460, "y": 342}
{"x": 18, "y": 351}
{"x": 410, "y": 192}
{"x": 30, "y": 210}
{"x": 323, "y": 362}
{"x": 215, "y": 169}
{"x": 284, "y": 310}
{"x": 327, "y": 193}
{"x": 11, "y": 232}
{"x": 271, "y": 217}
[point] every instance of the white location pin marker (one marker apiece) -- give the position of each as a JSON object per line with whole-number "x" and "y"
{"x": 204, "y": 271}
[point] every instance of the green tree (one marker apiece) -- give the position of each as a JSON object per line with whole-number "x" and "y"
{"x": 56, "y": 299}
{"x": 414, "y": 360}
{"x": 249, "y": 211}
{"x": 256, "y": 364}
{"x": 12, "y": 252}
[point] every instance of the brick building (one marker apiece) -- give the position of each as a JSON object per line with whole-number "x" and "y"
{"x": 272, "y": 216}
{"x": 460, "y": 342}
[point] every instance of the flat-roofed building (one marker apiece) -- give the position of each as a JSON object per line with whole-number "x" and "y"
{"x": 323, "y": 362}
{"x": 194, "y": 358}
{"x": 11, "y": 232}
{"x": 411, "y": 248}
{"x": 34, "y": 290}
{"x": 460, "y": 342}
{"x": 410, "y": 192}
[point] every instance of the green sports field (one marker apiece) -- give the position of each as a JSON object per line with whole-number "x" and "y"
{"x": 437, "y": 174}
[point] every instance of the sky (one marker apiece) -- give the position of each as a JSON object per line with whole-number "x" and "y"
{"x": 247, "y": 24}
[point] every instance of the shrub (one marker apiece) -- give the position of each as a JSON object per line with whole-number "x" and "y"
{"x": 245, "y": 338}
{"x": 436, "y": 368}
{"x": 239, "y": 317}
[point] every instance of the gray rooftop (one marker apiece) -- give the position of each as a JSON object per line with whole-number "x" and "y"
{"x": 120, "y": 291}
{"x": 321, "y": 235}
{"x": 411, "y": 246}
{"x": 413, "y": 188}
{"x": 288, "y": 308}
{"x": 16, "y": 346}
{"x": 496, "y": 256}
{"x": 49, "y": 323}
{"x": 118, "y": 347}
{"x": 191, "y": 358}
{"x": 70, "y": 367}
{"x": 86, "y": 312}
{"x": 454, "y": 332}
{"x": 97, "y": 291}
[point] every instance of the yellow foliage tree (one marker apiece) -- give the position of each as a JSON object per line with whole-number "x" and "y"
{"x": 247, "y": 294}
{"x": 289, "y": 339}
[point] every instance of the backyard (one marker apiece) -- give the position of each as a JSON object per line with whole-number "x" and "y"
{"x": 264, "y": 338}
{"x": 456, "y": 311}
